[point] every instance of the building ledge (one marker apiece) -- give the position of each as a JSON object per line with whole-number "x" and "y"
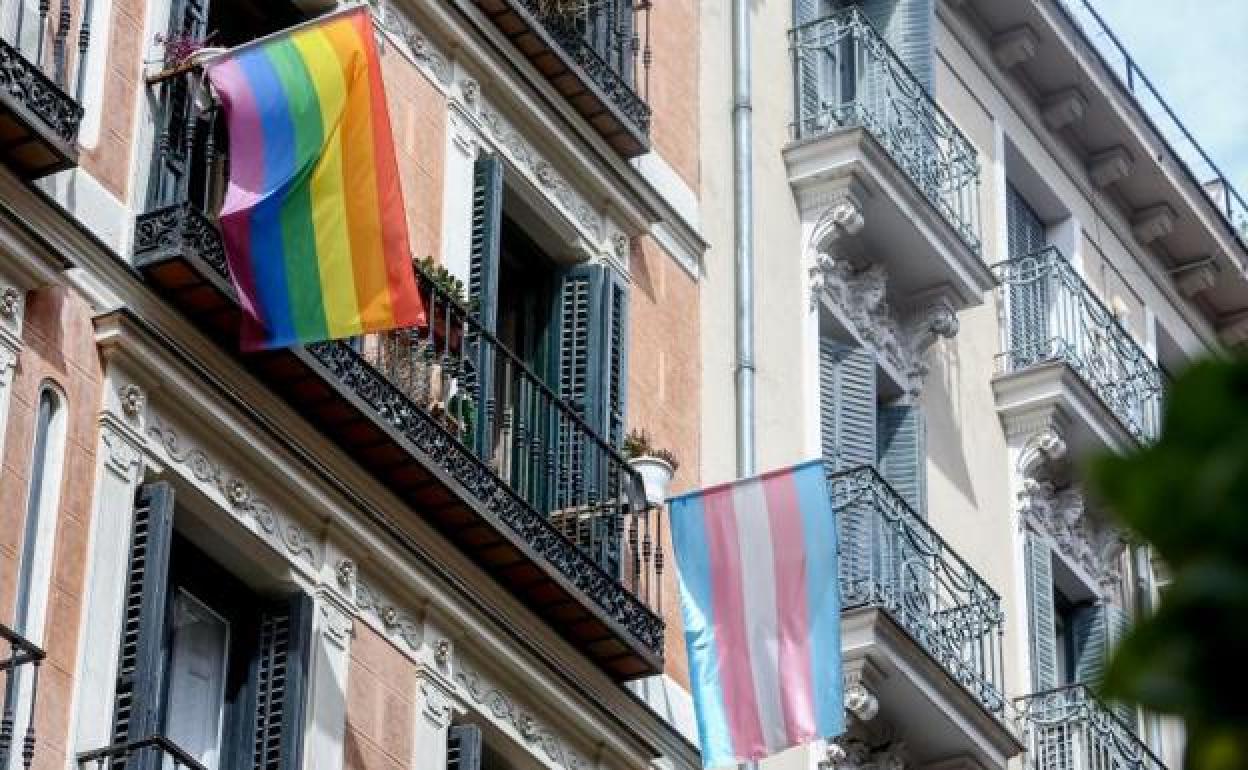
{"x": 937, "y": 718}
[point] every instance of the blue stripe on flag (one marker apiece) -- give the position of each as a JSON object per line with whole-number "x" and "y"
{"x": 823, "y": 598}
{"x": 688, "y": 519}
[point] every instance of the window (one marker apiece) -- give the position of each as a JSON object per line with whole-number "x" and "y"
{"x": 194, "y": 171}
{"x": 204, "y": 660}
{"x": 34, "y": 573}
{"x": 860, "y": 424}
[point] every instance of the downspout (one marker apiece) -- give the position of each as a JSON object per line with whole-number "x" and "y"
{"x": 743, "y": 203}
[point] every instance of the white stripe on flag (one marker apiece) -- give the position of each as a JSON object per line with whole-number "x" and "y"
{"x": 758, "y": 590}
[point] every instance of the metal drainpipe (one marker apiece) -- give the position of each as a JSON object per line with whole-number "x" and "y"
{"x": 743, "y": 199}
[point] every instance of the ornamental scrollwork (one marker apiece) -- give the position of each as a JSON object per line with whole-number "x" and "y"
{"x": 20, "y": 78}
{"x": 237, "y": 493}
{"x": 860, "y": 294}
{"x": 1093, "y": 544}
{"x": 393, "y": 620}
{"x": 504, "y": 708}
{"x": 426, "y": 435}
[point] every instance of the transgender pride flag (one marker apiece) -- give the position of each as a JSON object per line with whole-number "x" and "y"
{"x": 758, "y": 590}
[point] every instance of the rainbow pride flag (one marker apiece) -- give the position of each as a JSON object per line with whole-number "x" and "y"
{"x": 757, "y": 566}
{"x": 313, "y": 218}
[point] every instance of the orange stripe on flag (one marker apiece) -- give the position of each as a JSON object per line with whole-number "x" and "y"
{"x": 405, "y": 301}
{"x": 360, "y": 180}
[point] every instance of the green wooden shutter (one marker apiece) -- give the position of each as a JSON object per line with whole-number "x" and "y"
{"x": 847, "y": 405}
{"x": 487, "y": 227}
{"x": 138, "y": 703}
{"x": 579, "y": 332}
{"x": 1043, "y": 625}
{"x": 277, "y": 685}
{"x": 902, "y": 453}
{"x": 463, "y": 747}
{"x": 616, "y": 335}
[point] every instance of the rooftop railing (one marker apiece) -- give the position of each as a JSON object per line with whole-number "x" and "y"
{"x": 1069, "y": 729}
{"x": 893, "y": 560}
{"x": 847, "y": 76}
{"x": 1195, "y": 160}
{"x": 1055, "y": 316}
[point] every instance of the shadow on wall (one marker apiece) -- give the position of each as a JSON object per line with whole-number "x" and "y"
{"x": 944, "y": 435}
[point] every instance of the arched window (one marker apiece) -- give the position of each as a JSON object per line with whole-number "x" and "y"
{"x": 38, "y": 539}
{"x": 39, "y": 533}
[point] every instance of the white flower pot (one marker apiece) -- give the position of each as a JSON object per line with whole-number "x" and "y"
{"x": 656, "y": 476}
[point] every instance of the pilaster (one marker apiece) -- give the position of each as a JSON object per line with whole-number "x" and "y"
{"x": 10, "y": 351}
{"x": 333, "y": 629}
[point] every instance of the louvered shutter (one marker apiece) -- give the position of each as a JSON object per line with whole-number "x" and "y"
{"x": 615, "y": 310}
{"x": 277, "y": 685}
{"x": 1098, "y": 630}
{"x": 906, "y": 26}
{"x": 1043, "y": 626}
{"x": 138, "y": 701}
{"x": 487, "y": 226}
{"x": 847, "y": 405}
{"x": 902, "y": 456}
{"x": 463, "y": 747}
{"x": 581, "y": 335}
{"x": 1028, "y": 282}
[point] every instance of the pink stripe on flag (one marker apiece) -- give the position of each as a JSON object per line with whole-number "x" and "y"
{"x": 789, "y": 551}
{"x": 245, "y": 185}
{"x": 735, "y": 671}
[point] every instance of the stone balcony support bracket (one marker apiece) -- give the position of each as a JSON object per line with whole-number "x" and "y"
{"x": 1015, "y": 46}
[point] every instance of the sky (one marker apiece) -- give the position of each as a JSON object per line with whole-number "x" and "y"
{"x": 1195, "y": 52}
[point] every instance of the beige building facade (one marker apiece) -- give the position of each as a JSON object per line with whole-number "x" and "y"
{"x": 977, "y": 262}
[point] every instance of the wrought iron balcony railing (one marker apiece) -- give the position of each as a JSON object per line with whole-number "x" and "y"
{"x": 21, "y": 687}
{"x": 1069, "y": 729}
{"x": 41, "y": 64}
{"x": 152, "y": 753}
{"x": 452, "y": 391}
{"x": 537, "y": 442}
{"x": 1195, "y": 160}
{"x": 892, "y": 560}
{"x": 847, "y": 76}
{"x": 597, "y": 53}
{"x": 1055, "y": 316}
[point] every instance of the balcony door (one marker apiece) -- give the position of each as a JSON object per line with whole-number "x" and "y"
{"x": 1031, "y": 273}
{"x": 190, "y": 152}
{"x": 198, "y": 661}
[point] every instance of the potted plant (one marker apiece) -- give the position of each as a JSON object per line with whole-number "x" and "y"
{"x": 654, "y": 464}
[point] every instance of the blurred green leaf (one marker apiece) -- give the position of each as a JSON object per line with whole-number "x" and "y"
{"x": 1187, "y": 495}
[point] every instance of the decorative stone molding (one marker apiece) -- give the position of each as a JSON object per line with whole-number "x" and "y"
{"x": 414, "y": 44}
{"x": 8, "y": 360}
{"x": 1196, "y": 277}
{"x": 10, "y": 303}
{"x": 856, "y": 682}
{"x": 132, "y": 400}
{"x": 503, "y": 708}
{"x": 1064, "y": 108}
{"x": 855, "y": 753}
{"x": 337, "y": 625}
{"x": 1094, "y": 546}
{"x": 1014, "y": 46}
{"x": 438, "y": 706}
{"x": 843, "y": 217}
{"x": 345, "y": 573}
{"x": 442, "y": 652}
{"x": 859, "y": 294}
{"x": 120, "y": 454}
{"x": 1043, "y": 457}
{"x": 276, "y": 527}
{"x": 395, "y": 623}
{"x": 1154, "y": 222}
{"x": 1109, "y": 166}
